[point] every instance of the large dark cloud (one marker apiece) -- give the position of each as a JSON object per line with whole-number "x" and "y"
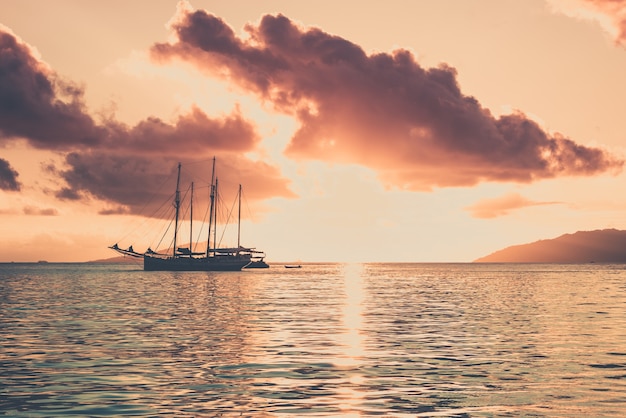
{"x": 8, "y": 177}
{"x": 141, "y": 184}
{"x": 412, "y": 124}
{"x": 35, "y": 104}
{"x": 193, "y": 134}
{"x": 110, "y": 160}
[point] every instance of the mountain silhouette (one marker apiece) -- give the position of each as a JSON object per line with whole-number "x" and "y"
{"x": 602, "y": 246}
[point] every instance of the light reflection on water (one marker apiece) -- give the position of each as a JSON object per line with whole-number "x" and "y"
{"x": 325, "y": 340}
{"x": 350, "y": 394}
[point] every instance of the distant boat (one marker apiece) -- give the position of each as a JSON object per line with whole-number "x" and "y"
{"x": 292, "y": 266}
{"x": 185, "y": 259}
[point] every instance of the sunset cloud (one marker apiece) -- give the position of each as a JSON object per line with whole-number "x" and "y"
{"x": 8, "y": 177}
{"x": 610, "y": 14}
{"x": 141, "y": 184}
{"x": 411, "y": 124}
{"x": 32, "y": 210}
{"x": 36, "y": 104}
{"x": 502, "y": 206}
{"x": 109, "y": 160}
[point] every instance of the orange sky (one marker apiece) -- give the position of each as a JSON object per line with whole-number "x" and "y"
{"x": 403, "y": 131}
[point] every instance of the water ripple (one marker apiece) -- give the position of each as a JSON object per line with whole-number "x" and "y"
{"x": 455, "y": 340}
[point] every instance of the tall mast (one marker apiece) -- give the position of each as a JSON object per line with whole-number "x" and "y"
{"x": 191, "y": 220}
{"x": 239, "y": 221}
{"x": 208, "y": 241}
{"x": 215, "y": 217}
{"x": 177, "y": 207}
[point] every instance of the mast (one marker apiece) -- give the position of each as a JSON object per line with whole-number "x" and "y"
{"x": 239, "y": 221}
{"x": 177, "y": 207}
{"x": 215, "y": 219}
{"x": 191, "y": 220}
{"x": 208, "y": 241}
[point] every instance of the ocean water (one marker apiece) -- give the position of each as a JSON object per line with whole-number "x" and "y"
{"x": 326, "y": 340}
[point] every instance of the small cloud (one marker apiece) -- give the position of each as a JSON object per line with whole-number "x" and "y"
{"x": 68, "y": 194}
{"x": 502, "y": 206}
{"x": 118, "y": 210}
{"x": 32, "y": 210}
{"x": 8, "y": 177}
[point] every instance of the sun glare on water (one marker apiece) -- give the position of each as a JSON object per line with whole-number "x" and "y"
{"x": 354, "y": 351}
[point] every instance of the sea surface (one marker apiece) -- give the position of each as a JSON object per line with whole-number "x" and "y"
{"x": 326, "y": 340}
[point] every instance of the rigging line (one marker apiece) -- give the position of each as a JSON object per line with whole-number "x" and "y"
{"x": 164, "y": 226}
{"x": 162, "y": 212}
{"x": 184, "y": 214}
{"x": 228, "y": 217}
{"x": 164, "y": 234}
{"x": 219, "y": 205}
{"x": 195, "y": 162}
{"x": 194, "y": 173}
{"x": 187, "y": 208}
{"x": 165, "y": 211}
{"x": 201, "y": 229}
{"x": 245, "y": 201}
{"x": 202, "y": 225}
{"x": 141, "y": 211}
{"x": 153, "y": 196}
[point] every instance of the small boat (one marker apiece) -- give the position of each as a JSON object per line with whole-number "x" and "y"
{"x": 185, "y": 259}
{"x": 292, "y": 266}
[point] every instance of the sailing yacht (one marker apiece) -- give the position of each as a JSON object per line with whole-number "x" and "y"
{"x": 185, "y": 259}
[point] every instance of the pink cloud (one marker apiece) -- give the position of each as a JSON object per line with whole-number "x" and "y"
{"x": 609, "y": 14}
{"x": 32, "y": 210}
{"x": 615, "y": 10}
{"x": 502, "y": 206}
{"x": 411, "y": 124}
{"x": 132, "y": 181}
{"x": 109, "y": 160}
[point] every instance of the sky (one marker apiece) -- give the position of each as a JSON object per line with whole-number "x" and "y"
{"x": 409, "y": 131}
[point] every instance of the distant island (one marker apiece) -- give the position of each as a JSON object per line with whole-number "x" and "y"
{"x": 601, "y": 246}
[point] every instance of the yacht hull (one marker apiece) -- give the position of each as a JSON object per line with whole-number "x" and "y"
{"x": 219, "y": 263}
